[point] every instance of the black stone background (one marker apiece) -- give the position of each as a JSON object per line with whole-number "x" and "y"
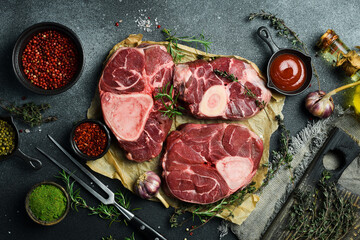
{"x": 225, "y": 22}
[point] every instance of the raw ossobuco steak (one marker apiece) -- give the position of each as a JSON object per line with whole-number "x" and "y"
{"x": 129, "y": 82}
{"x": 209, "y": 96}
{"x": 204, "y": 163}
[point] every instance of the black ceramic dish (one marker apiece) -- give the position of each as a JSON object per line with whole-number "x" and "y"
{"x": 264, "y": 34}
{"x": 33, "y": 162}
{"x": 75, "y": 148}
{"x": 23, "y": 40}
{"x": 33, "y": 217}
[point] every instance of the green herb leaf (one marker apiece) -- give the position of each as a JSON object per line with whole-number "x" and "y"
{"x": 171, "y": 106}
{"x": 321, "y": 213}
{"x": 282, "y": 157}
{"x": 29, "y": 113}
{"x": 173, "y": 40}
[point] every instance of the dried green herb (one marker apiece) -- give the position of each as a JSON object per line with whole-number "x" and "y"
{"x": 47, "y": 202}
{"x": 283, "y": 30}
{"x": 30, "y": 113}
{"x": 282, "y": 157}
{"x": 103, "y": 211}
{"x": 207, "y": 212}
{"x": 260, "y": 104}
{"x": 170, "y": 103}
{"x": 321, "y": 213}
{"x": 173, "y": 40}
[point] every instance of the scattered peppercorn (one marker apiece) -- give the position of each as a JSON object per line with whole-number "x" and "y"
{"x": 7, "y": 138}
{"x": 117, "y": 24}
{"x": 158, "y": 26}
{"x": 47, "y": 202}
{"x": 50, "y": 60}
{"x": 90, "y": 139}
{"x": 23, "y": 98}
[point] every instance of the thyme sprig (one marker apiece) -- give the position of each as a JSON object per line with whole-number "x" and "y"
{"x": 260, "y": 104}
{"x": 282, "y": 157}
{"x": 29, "y": 113}
{"x": 170, "y": 103}
{"x": 103, "y": 211}
{"x": 283, "y": 30}
{"x": 321, "y": 213}
{"x": 173, "y": 40}
{"x": 207, "y": 212}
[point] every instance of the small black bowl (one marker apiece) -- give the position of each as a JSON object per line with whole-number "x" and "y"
{"x": 32, "y": 162}
{"x": 24, "y": 39}
{"x": 75, "y": 148}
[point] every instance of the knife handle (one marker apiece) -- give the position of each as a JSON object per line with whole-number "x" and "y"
{"x": 147, "y": 231}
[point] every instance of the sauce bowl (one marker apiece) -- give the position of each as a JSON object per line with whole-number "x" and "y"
{"x": 264, "y": 34}
{"x": 33, "y": 162}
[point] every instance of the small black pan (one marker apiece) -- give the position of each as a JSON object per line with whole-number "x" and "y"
{"x": 264, "y": 34}
{"x": 33, "y": 162}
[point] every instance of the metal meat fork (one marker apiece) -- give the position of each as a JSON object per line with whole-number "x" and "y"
{"x": 136, "y": 222}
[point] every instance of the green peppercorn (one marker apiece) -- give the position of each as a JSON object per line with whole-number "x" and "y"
{"x": 7, "y": 138}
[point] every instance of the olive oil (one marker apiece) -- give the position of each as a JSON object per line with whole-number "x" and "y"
{"x": 333, "y": 49}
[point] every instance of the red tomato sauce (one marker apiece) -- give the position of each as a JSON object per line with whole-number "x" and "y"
{"x": 288, "y": 72}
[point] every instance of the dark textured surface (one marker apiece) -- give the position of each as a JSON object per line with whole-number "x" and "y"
{"x": 94, "y": 21}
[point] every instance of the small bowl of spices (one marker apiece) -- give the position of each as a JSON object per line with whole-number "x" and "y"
{"x": 48, "y": 58}
{"x": 90, "y": 139}
{"x": 10, "y": 143}
{"x": 47, "y": 203}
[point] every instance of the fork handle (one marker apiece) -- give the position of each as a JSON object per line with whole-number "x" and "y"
{"x": 147, "y": 231}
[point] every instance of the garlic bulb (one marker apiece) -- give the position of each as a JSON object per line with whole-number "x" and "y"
{"x": 148, "y": 185}
{"x": 319, "y": 104}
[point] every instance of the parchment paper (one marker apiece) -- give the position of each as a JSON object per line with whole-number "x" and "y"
{"x": 115, "y": 165}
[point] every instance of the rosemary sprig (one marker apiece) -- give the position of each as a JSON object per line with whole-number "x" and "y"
{"x": 103, "y": 211}
{"x": 30, "y": 113}
{"x": 284, "y": 31}
{"x": 132, "y": 237}
{"x": 173, "y": 40}
{"x": 249, "y": 93}
{"x": 169, "y": 102}
{"x": 282, "y": 157}
{"x": 321, "y": 213}
{"x": 207, "y": 212}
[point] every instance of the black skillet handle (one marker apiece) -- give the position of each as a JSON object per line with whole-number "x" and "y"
{"x": 33, "y": 162}
{"x": 147, "y": 231}
{"x": 264, "y": 34}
